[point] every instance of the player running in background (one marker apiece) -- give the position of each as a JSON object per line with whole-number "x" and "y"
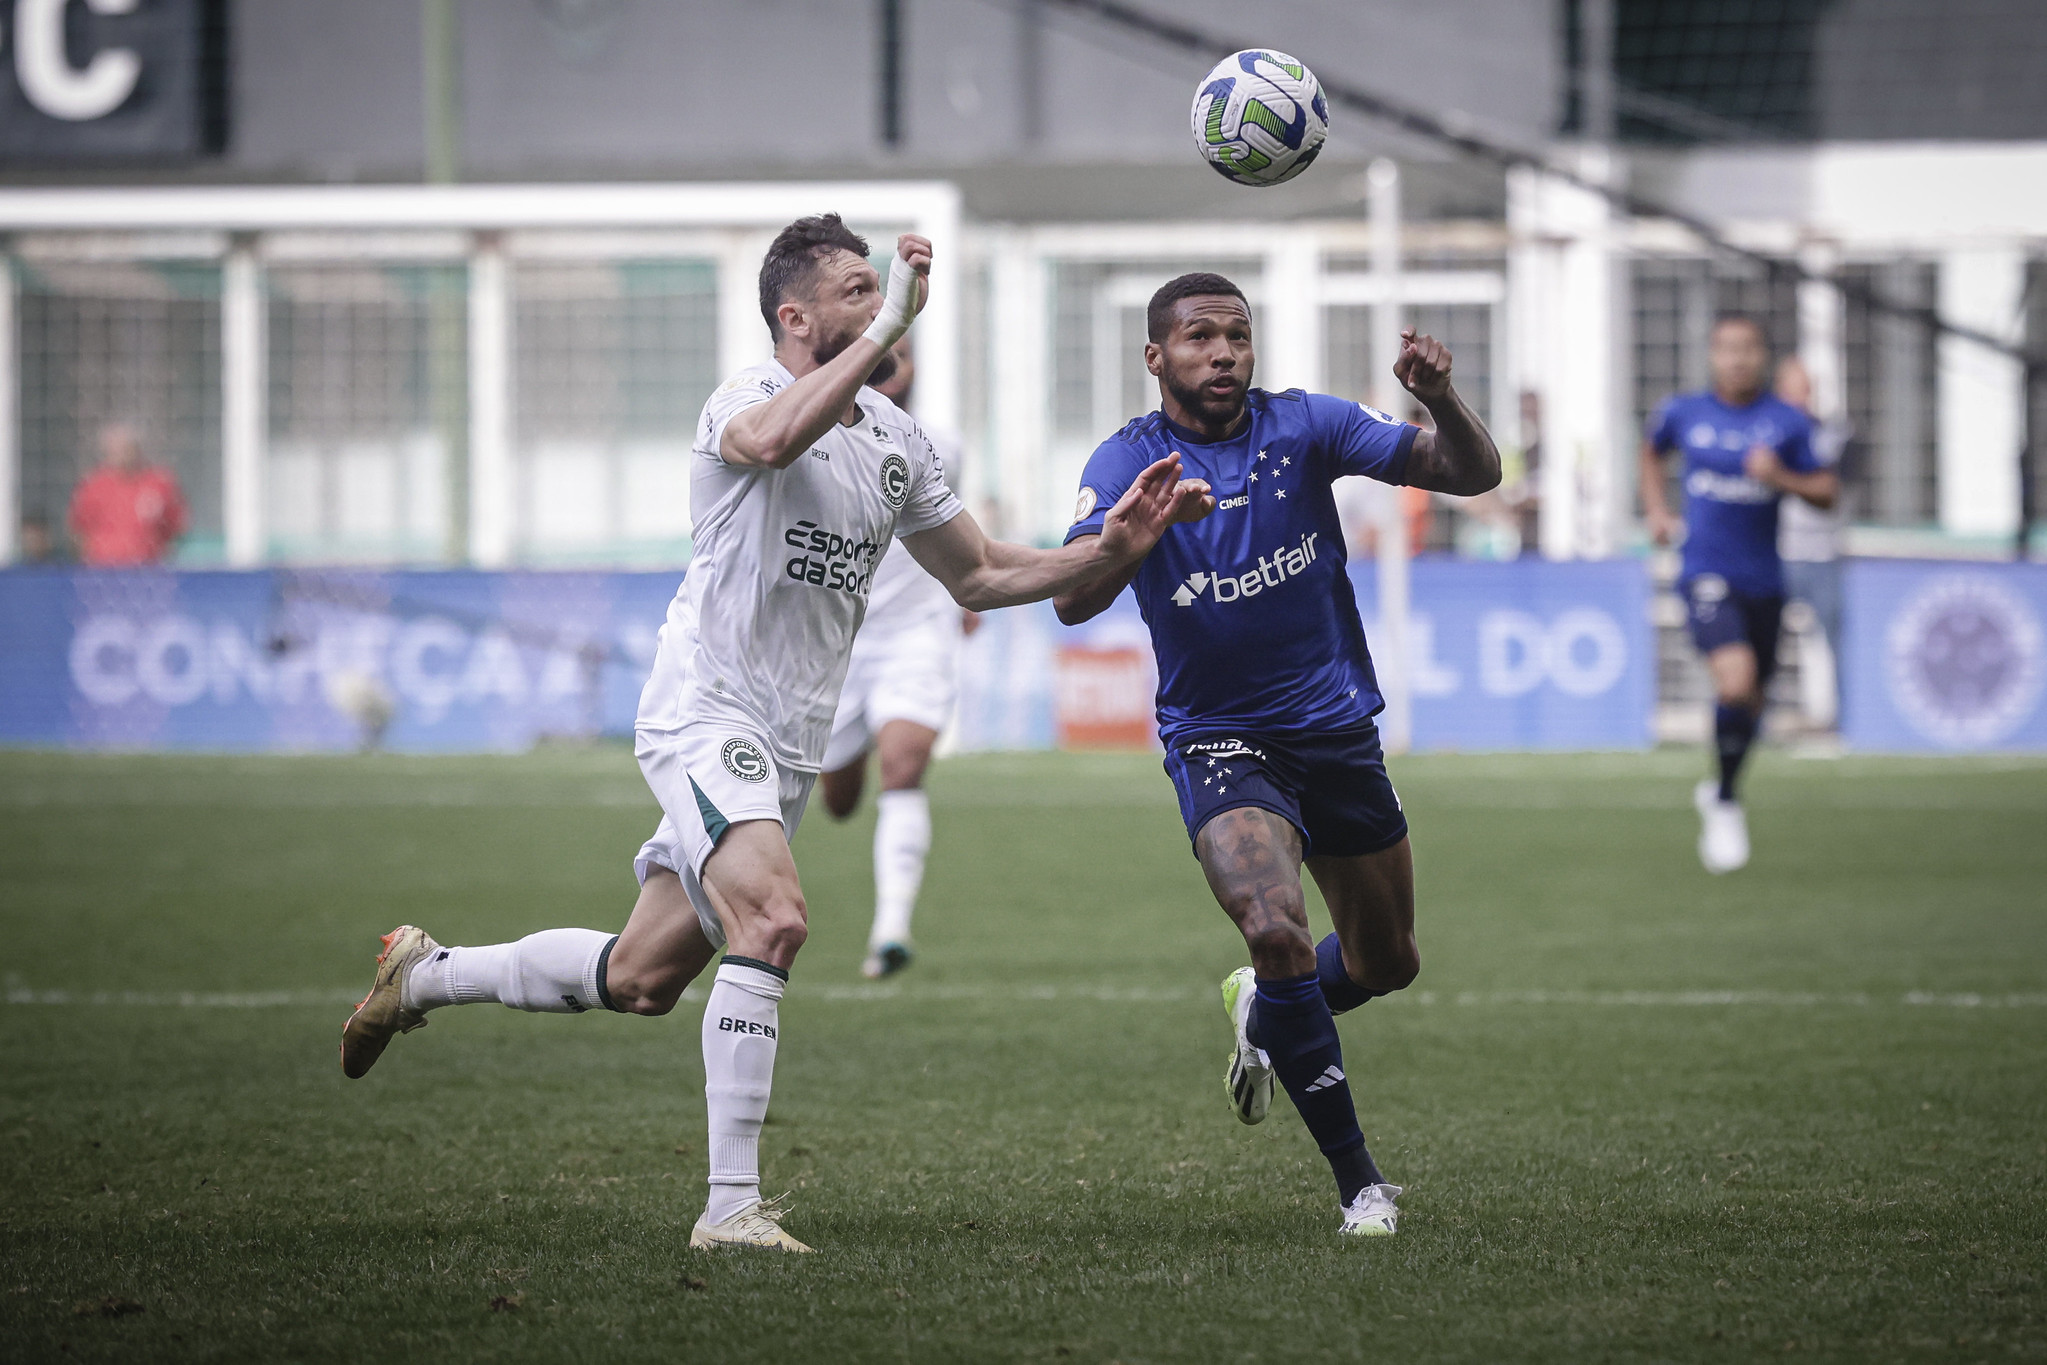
{"x": 802, "y": 474}
{"x": 1266, "y": 690}
{"x": 900, "y": 687}
{"x": 1744, "y": 449}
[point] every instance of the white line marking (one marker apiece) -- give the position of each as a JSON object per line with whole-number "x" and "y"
{"x": 1108, "y": 994}
{"x": 202, "y": 1000}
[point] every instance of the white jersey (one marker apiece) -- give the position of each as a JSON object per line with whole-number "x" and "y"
{"x": 783, "y": 562}
{"x": 904, "y": 595}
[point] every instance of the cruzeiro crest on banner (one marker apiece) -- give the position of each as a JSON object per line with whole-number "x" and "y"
{"x": 1963, "y": 655}
{"x": 744, "y": 761}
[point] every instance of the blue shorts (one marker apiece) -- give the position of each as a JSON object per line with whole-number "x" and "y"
{"x": 1720, "y": 615}
{"x": 1333, "y": 788}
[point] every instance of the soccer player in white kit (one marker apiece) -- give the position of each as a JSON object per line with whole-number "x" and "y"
{"x": 800, "y": 476}
{"x": 900, "y": 687}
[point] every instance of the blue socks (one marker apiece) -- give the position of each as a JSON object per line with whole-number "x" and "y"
{"x": 1338, "y": 989}
{"x": 1734, "y": 729}
{"x": 1291, "y": 1021}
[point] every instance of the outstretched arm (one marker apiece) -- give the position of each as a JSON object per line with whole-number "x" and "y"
{"x": 1459, "y": 456}
{"x": 1092, "y": 598}
{"x": 777, "y": 433}
{"x": 982, "y": 574}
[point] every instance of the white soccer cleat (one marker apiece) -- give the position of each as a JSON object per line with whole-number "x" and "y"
{"x": 1372, "y": 1213}
{"x": 1723, "y": 830}
{"x": 382, "y": 1015}
{"x": 1249, "y": 1078}
{"x": 753, "y": 1226}
{"x": 886, "y": 960}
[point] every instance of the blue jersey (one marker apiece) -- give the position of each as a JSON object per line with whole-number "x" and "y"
{"x": 1730, "y": 519}
{"x": 1251, "y": 612}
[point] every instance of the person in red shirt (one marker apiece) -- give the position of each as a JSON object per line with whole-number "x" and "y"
{"x": 127, "y": 511}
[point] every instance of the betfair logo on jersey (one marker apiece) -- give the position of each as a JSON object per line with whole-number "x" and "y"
{"x": 1709, "y": 486}
{"x": 744, "y": 761}
{"x": 895, "y": 480}
{"x": 1273, "y": 570}
{"x": 830, "y": 559}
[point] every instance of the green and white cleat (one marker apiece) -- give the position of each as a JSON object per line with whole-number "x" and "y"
{"x": 382, "y": 1015}
{"x": 886, "y": 960}
{"x": 1249, "y": 1078}
{"x": 1372, "y": 1213}
{"x": 755, "y": 1225}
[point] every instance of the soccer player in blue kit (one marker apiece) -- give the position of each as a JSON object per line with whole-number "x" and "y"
{"x": 1266, "y": 690}
{"x": 1744, "y": 449}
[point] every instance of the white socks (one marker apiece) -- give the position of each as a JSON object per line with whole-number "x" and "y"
{"x": 556, "y": 971}
{"x": 902, "y": 837}
{"x": 740, "y": 1027}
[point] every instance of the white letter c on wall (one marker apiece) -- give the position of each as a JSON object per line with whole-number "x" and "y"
{"x": 51, "y": 82}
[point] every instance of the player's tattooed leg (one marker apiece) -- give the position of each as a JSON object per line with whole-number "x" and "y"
{"x": 1252, "y": 859}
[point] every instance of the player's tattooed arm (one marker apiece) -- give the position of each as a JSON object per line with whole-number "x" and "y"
{"x": 983, "y": 574}
{"x": 1458, "y": 457}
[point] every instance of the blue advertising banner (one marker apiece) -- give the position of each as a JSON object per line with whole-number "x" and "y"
{"x": 1507, "y": 656}
{"x": 281, "y": 660}
{"x": 1518, "y": 655}
{"x": 1527, "y": 654}
{"x": 1944, "y": 656}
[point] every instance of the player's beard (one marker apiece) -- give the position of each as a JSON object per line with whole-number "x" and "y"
{"x": 883, "y": 371}
{"x": 1216, "y": 412}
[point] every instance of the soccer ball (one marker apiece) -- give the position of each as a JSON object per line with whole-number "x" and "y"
{"x": 1259, "y": 117}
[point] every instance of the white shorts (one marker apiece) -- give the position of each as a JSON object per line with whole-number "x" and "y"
{"x": 910, "y": 674}
{"x": 710, "y": 775}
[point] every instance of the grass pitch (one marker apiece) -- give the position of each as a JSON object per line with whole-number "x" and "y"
{"x": 1641, "y": 1114}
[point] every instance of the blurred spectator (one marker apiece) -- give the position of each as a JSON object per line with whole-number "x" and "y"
{"x": 126, "y": 511}
{"x": 1809, "y": 538}
{"x": 37, "y": 545}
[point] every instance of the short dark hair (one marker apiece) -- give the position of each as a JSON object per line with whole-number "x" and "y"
{"x": 793, "y": 256}
{"x": 1735, "y": 318}
{"x": 1158, "y": 314}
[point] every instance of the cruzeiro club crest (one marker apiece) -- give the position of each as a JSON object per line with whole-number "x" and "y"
{"x": 744, "y": 761}
{"x": 1964, "y": 659}
{"x": 895, "y": 480}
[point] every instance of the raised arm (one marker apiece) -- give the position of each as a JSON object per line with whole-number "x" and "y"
{"x": 1458, "y": 457}
{"x": 777, "y": 433}
{"x": 982, "y": 574}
